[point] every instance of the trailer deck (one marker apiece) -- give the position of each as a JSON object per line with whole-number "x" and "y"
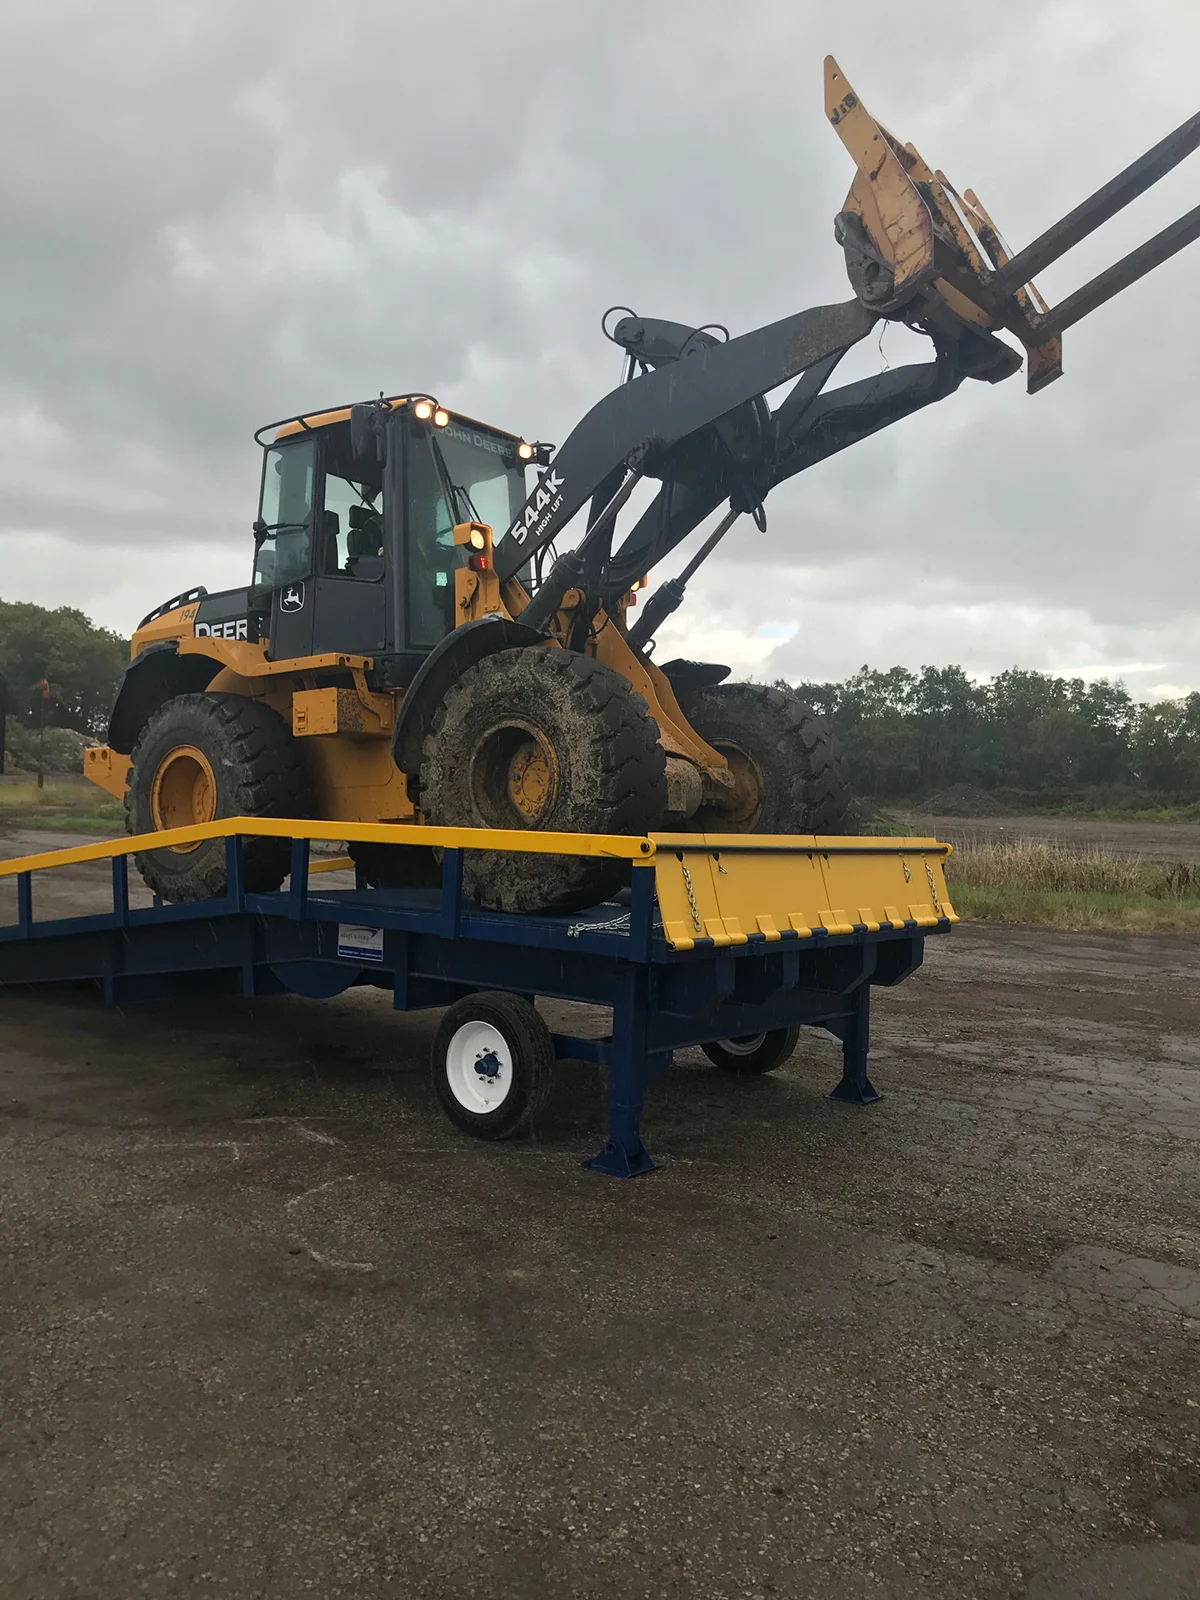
{"x": 719, "y": 938}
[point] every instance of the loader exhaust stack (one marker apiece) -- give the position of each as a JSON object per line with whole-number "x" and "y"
{"x": 919, "y": 252}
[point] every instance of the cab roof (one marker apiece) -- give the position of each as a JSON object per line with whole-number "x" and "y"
{"x": 312, "y": 420}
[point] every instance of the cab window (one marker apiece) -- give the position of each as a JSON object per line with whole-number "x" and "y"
{"x": 351, "y": 511}
{"x": 283, "y": 532}
{"x": 353, "y": 527}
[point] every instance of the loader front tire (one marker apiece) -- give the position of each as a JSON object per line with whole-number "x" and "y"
{"x": 546, "y": 739}
{"x": 790, "y": 771}
{"x": 202, "y": 757}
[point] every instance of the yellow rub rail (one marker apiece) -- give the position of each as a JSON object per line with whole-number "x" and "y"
{"x": 725, "y": 888}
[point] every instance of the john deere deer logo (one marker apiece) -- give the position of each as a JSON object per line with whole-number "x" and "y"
{"x": 292, "y": 598}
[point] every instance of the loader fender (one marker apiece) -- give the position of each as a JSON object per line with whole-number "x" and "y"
{"x": 442, "y": 667}
{"x": 155, "y": 675}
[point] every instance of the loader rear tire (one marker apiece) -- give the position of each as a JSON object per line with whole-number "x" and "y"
{"x": 790, "y": 769}
{"x": 548, "y": 739}
{"x": 202, "y": 757}
{"x": 397, "y": 866}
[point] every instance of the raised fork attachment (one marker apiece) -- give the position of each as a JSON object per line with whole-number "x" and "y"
{"x": 919, "y": 252}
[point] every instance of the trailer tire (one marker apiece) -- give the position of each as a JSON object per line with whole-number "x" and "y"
{"x": 493, "y": 1063}
{"x": 790, "y": 768}
{"x": 753, "y": 1053}
{"x": 199, "y": 758}
{"x": 546, "y": 739}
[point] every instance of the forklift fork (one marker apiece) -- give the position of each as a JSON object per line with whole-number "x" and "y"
{"x": 919, "y": 252}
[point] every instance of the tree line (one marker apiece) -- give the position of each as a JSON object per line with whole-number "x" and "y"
{"x": 59, "y": 666}
{"x": 908, "y": 735}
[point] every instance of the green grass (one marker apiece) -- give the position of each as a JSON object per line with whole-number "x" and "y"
{"x": 883, "y": 825}
{"x": 1028, "y": 880}
{"x": 1188, "y": 813}
{"x": 67, "y": 805}
{"x": 1051, "y": 908}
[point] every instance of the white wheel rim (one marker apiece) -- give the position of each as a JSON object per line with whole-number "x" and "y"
{"x": 745, "y": 1046}
{"x": 479, "y": 1067}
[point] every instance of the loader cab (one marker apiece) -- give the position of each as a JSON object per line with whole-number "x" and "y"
{"x": 358, "y": 555}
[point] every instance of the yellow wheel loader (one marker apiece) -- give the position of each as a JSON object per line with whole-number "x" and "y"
{"x": 390, "y": 661}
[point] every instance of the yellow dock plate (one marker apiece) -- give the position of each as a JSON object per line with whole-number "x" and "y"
{"x": 728, "y": 887}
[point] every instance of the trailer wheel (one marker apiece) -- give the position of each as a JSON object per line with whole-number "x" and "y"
{"x": 543, "y": 738}
{"x": 201, "y": 757}
{"x": 493, "y": 1061}
{"x": 753, "y": 1053}
{"x": 790, "y": 771}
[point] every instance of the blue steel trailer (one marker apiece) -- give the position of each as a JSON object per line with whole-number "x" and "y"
{"x": 730, "y": 942}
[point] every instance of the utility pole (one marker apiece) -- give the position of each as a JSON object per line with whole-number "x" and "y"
{"x": 40, "y": 696}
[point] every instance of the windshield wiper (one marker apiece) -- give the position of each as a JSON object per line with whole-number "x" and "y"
{"x": 274, "y": 527}
{"x": 464, "y": 499}
{"x": 457, "y": 497}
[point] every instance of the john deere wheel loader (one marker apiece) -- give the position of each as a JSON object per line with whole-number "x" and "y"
{"x": 387, "y": 663}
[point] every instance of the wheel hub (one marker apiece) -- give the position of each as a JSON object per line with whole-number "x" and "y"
{"x": 530, "y": 779}
{"x": 740, "y": 808}
{"x": 487, "y": 1064}
{"x": 744, "y": 1044}
{"x": 183, "y": 793}
{"x": 514, "y": 777}
{"x": 479, "y": 1067}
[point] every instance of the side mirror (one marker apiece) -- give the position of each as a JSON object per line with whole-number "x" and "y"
{"x": 368, "y": 431}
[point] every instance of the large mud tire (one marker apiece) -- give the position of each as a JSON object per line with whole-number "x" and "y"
{"x": 790, "y": 768}
{"x": 548, "y": 739}
{"x": 243, "y": 763}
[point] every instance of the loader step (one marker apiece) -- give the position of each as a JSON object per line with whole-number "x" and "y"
{"x": 720, "y": 937}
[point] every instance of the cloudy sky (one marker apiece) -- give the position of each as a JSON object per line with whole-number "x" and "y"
{"x": 217, "y": 213}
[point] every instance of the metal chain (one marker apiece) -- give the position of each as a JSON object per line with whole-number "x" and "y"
{"x": 691, "y": 894}
{"x": 613, "y": 925}
{"x": 617, "y": 924}
{"x": 933, "y": 894}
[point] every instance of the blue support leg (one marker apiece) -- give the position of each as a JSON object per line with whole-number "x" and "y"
{"x": 855, "y": 1034}
{"x": 625, "y": 1156}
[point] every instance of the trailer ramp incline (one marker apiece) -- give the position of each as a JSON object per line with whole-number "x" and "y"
{"x": 727, "y": 941}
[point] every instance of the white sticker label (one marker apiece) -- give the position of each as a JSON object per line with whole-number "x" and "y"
{"x": 360, "y": 944}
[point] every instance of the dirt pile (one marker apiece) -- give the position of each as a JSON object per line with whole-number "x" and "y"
{"x": 59, "y": 749}
{"x": 963, "y": 800}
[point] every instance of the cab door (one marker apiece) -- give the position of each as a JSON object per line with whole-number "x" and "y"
{"x": 284, "y": 547}
{"x": 349, "y": 605}
{"x": 321, "y": 550}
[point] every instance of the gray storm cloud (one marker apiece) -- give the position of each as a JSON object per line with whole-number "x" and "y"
{"x": 216, "y": 214}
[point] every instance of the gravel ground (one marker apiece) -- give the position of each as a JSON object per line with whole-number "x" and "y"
{"x": 269, "y": 1326}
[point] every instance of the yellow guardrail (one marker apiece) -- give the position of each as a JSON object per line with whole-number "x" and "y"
{"x": 621, "y": 846}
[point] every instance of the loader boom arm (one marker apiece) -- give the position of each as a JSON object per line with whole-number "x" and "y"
{"x": 691, "y": 410}
{"x": 644, "y": 419}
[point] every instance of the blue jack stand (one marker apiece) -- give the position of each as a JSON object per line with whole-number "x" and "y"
{"x": 854, "y": 1031}
{"x": 618, "y": 1162}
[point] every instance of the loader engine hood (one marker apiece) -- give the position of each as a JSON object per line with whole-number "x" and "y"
{"x": 229, "y": 614}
